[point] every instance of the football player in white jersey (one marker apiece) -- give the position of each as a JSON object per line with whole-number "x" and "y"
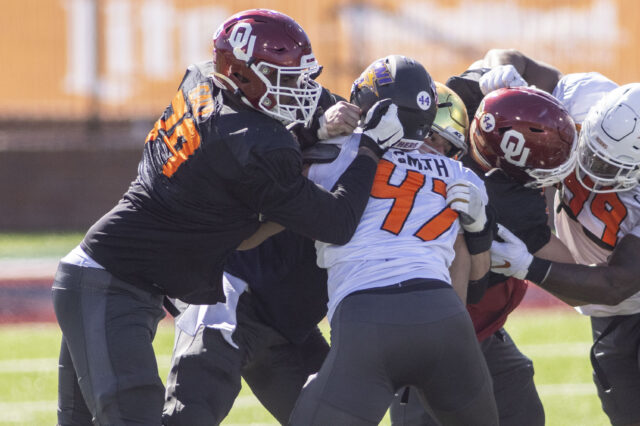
{"x": 598, "y": 218}
{"x": 392, "y": 308}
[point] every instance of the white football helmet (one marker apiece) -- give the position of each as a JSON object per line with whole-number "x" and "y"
{"x": 609, "y": 143}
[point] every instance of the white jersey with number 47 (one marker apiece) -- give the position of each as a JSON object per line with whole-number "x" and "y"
{"x": 592, "y": 224}
{"x": 407, "y": 231}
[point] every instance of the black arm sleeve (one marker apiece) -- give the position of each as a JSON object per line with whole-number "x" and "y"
{"x": 277, "y": 190}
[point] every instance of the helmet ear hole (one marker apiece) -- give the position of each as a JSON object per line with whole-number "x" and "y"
{"x": 242, "y": 79}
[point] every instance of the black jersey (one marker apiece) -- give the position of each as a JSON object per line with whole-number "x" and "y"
{"x": 521, "y": 210}
{"x": 212, "y": 170}
{"x": 288, "y": 288}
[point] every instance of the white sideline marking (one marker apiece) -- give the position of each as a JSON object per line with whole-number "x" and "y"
{"x": 50, "y": 365}
{"x": 20, "y": 412}
{"x": 36, "y": 268}
{"x": 567, "y": 389}
{"x": 554, "y": 350}
{"x": 544, "y": 350}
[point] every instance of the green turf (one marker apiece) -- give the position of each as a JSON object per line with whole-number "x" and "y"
{"x": 556, "y": 340}
{"x": 49, "y": 244}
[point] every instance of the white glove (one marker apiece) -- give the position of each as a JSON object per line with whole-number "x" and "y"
{"x": 467, "y": 199}
{"x": 499, "y": 77}
{"x": 382, "y": 125}
{"x": 511, "y": 257}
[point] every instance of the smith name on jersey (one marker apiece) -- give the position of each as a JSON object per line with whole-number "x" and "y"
{"x": 407, "y": 230}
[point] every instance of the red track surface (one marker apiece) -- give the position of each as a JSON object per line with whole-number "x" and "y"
{"x": 29, "y": 300}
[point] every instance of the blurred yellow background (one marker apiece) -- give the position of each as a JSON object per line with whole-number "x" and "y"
{"x": 123, "y": 59}
{"x": 82, "y": 81}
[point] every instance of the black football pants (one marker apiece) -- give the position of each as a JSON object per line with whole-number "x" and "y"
{"x": 107, "y": 369}
{"x": 382, "y": 342}
{"x": 515, "y": 392}
{"x": 205, "y": 375}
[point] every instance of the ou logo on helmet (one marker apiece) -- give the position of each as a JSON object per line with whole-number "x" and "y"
{"x": 512, "y": 145}
{"x": 239, "y": 38}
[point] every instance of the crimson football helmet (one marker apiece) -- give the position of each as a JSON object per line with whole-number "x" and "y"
{"x": 526, "y": 133}
{"x": 265, "y": 58}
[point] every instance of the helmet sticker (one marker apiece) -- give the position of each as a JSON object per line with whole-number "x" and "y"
{"x": 376, "y": 75}
{"x": 512, "y": 145}
{"x": 240, "y": 37}
{"x": 423, "y": 100}
{"x": 488, "y": 122}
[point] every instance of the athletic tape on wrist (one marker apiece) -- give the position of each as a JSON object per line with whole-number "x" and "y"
{"x": 478, "y": 242}
{"x": 538, "y": 270}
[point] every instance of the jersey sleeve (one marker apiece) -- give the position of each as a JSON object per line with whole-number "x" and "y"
{"x": 521, "y": 210}
{"x": 578, "y": 92}
{"x": 276, "y": 188}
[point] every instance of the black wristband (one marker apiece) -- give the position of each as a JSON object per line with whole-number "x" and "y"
{"x": 478, "y": 242}
{"x": 538, "y": 270}
{"x": 366, "y": 141}
{"x": 476, "y": 289}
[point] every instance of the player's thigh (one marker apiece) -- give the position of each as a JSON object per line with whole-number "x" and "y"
{"x": 277, "y": 375}
{"x": 351, "y": 388}
{"x": 204, "y": 379}
{"x": 72, "y": 410}
{"x": 459, "y": 388}
{"x": 513, "y": 386}
{"x": 408, "y": 410}
{"x": 619, "y": 358}
{"x": 109, "y": 327}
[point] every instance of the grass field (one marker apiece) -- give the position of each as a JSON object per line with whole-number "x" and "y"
{"x": 557, "y": 341}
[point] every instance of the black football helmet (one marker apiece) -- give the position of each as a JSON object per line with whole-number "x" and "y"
{"x": 409, "y": 86}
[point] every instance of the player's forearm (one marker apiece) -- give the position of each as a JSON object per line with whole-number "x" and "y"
{"x": 536, "y": 73}
{"x": 592, "y": 284}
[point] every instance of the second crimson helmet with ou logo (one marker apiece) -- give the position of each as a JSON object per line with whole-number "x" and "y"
{"x": 265, "y": 58}
{"x": 409, "y": 86}
{"x": 526, "y": 133}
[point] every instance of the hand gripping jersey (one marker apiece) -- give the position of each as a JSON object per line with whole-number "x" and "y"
{"x": 406, "y": 231}
{"x": 591, "y": 224}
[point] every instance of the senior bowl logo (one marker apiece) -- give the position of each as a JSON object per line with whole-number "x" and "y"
{"x": 376, "y": 75}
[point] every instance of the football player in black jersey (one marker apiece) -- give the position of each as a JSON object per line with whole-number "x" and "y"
{"x": 524, "y": 115}
{"x": 218, "y": 164}
{"x": 267, "y": 331}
